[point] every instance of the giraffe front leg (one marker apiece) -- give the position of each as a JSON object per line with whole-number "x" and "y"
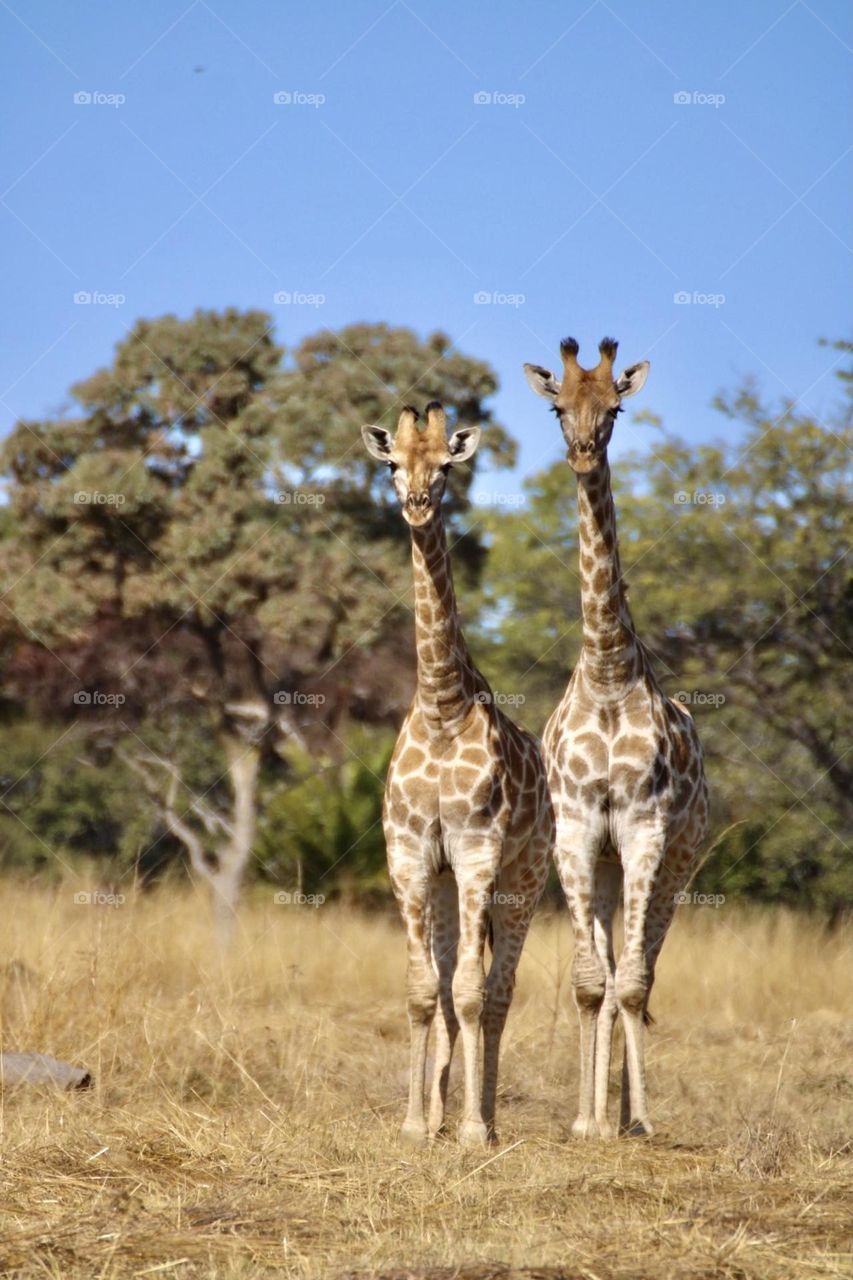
{"x": 412, "y": 887}
{"x": 589, "y": 988}
{"x": 476, "y": 878}
{"x": 421, "y": 998}
{"x": 642, "y": 857}
{"x": 576, "y": 852}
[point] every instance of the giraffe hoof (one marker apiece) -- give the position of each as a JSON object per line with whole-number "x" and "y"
{"x": 414, "y": 1135}
{"x": 637, "y": 1129}
{"x": 584, "y": 1128}
{"x": 473, "y": 1133}
{"x": 605, "y": 1129}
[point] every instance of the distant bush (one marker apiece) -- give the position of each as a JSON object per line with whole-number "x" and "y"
{"x": 321, "y": 830}
{"x": 59, "y": 801}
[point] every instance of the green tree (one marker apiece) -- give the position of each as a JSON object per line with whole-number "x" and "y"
{"x": 201, "y": 544}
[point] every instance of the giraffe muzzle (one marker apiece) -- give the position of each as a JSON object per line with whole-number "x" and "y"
{"x": 417, "y": 507}
{"x": 583, "y": 455}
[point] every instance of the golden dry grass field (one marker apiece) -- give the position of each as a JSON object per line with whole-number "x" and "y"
{"x": 243, "y": 1123}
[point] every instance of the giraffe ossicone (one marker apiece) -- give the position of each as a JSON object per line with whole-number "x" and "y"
{"x": 624, "y": 765}
{"x": 468, "y": 821}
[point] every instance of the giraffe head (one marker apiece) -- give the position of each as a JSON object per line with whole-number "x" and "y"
{"x": 420, "y": 459}
{"x": 587, "y": 400}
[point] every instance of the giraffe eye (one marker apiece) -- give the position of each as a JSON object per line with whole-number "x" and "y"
{"x": 393, "y": 466}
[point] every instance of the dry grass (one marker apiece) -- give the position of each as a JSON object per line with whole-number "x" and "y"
{"x": 244, "y": 1124}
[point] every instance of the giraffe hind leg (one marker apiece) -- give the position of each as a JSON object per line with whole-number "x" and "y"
{"x": 445, "y": 943}
{"x": 608, "y": 883}
{"x": 519, "y": 889}
{"x": 638, "y": 974}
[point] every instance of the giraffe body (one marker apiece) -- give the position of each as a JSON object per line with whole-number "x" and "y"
{"x": 467, "y": 815}
{"x": 624, "y": 765}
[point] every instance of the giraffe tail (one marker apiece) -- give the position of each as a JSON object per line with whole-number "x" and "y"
{"x": 648, "y": 1020}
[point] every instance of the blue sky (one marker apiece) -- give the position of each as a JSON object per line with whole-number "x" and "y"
{"x": 582, "y": 196}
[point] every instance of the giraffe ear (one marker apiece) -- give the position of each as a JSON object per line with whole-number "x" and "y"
{"x": 463, "y": 443}
{"x": 632, "y": 379}
{"x": 542, "y": 381}
{"x": 377, "y": 442}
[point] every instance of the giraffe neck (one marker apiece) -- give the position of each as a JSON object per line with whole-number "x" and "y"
{"x": 609, "y": 644}
{"x": 447, "y": 680}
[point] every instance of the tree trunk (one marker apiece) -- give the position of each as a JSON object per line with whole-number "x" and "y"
{"x": 219, "y": 858}
{"x": 226, "y": 879}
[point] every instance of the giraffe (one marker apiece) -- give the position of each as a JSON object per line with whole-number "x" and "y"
{"x": 467, "y": 816}
{"x": 624, "y": 765}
